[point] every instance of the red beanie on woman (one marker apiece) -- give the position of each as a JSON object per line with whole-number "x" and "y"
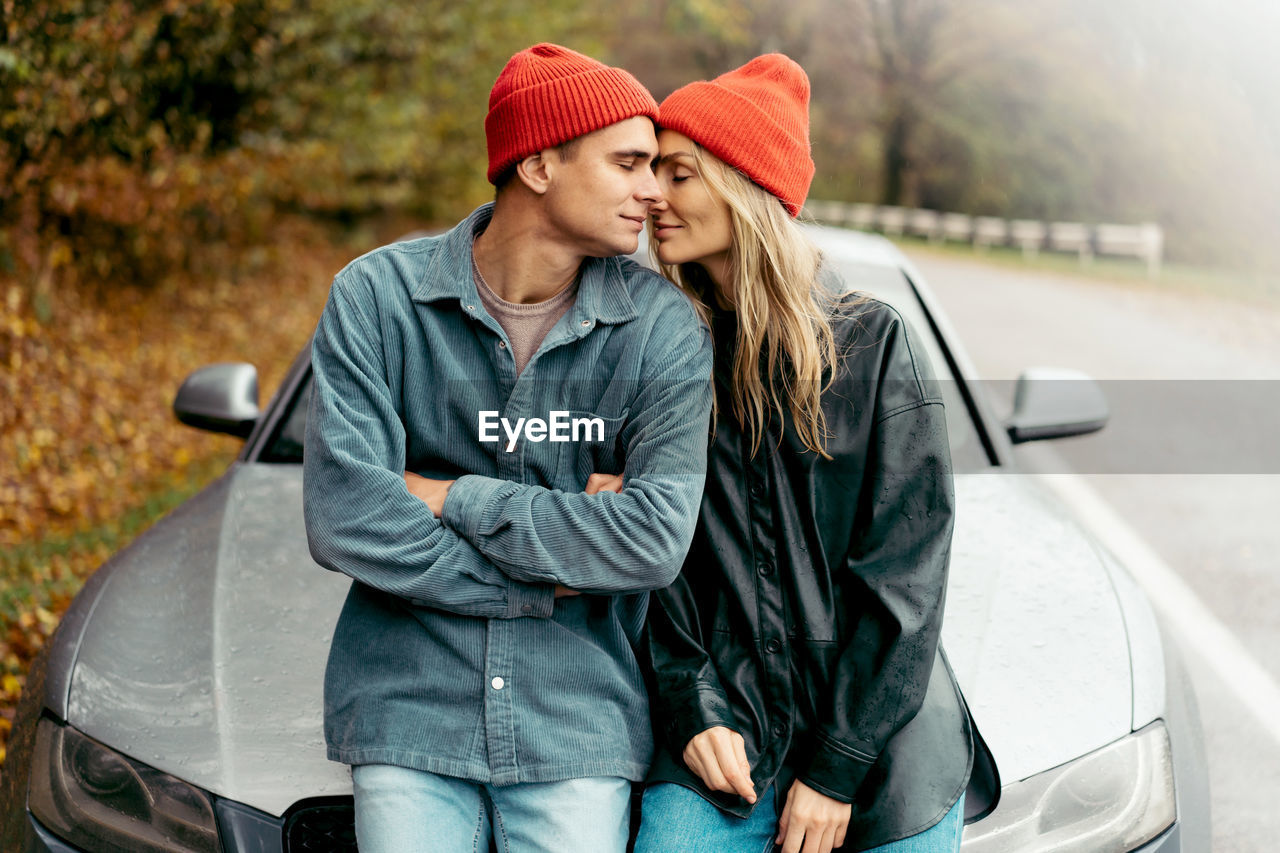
{"x": 756, "y": 119}
{"x": 548, "y": 94}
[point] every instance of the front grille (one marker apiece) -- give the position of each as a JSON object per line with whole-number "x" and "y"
{"x": 321, "y": 827}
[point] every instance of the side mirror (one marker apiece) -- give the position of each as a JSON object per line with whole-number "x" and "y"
{"x": 220, "y": 398}
{"x": 1051, "y": 402}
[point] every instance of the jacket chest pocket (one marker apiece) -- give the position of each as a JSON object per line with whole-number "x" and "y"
{"x": 594, "y": 446}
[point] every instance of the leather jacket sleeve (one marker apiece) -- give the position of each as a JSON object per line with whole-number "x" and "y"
{"x": 896, "y": 570}
{"x": 689, "y": 698}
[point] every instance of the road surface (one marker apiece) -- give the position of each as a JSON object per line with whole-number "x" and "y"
{"x": 1187, "y": 468}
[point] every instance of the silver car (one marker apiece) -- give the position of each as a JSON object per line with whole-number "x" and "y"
{"x": 178, "y": 707}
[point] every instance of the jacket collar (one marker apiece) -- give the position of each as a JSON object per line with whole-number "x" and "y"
{"x": 603, "y": 295}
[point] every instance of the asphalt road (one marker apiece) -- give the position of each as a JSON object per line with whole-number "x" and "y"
{"x": 1188, "y": 463}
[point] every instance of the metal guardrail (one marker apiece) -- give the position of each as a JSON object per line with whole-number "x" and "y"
{"x": 1144, "y": 242}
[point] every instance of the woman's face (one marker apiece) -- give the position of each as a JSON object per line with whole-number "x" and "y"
{"x": 690, "y": 224}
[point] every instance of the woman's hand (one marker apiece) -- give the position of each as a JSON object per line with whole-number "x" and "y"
{"x": 719, "y": 757}
{"x": 813, "y": 819}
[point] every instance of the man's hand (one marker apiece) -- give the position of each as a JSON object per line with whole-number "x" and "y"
{"x": 813, "y": 819}
{"x": 719, "y": 757}
{"x": 604, "y": 483}
{"x": 430, "y": 492}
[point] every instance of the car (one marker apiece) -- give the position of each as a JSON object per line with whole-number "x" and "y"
{"x": 178, "y": 707}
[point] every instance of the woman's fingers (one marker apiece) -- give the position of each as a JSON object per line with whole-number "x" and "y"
{"x": 718, "y": 756}
{"x": 695, "y": 757}
{"x": 819, "y": 840}
{"x": 794, "y": 838}
{"x": 710, "y": 767}
{"x": 812, "y": 822}
{"x": 731, "y": 753}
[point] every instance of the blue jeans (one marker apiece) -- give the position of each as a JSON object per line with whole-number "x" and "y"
{"x": 399, "y": 810}
{"x": 673, "y": 819}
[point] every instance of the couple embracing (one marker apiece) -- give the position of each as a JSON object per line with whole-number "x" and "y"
{"x": 727, "y": 586}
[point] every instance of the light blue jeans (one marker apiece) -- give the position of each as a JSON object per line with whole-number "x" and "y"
{"x": 399, "y": 810}
{"x": 673, "y": 819}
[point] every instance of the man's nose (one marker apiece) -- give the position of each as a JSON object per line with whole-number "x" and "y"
{"x": 649, "y": 192}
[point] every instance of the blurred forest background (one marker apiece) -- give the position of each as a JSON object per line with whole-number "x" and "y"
{"x": 180, "y": 179}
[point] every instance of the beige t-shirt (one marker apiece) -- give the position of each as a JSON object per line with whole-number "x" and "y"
{"x": 525, "y": 325}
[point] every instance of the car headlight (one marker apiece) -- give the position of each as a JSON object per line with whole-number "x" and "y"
{"x": 1115, "y": 799}
{"x": 96, "y": 798}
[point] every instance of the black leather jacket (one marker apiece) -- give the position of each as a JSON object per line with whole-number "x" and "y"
{"x": 808, "y": 612}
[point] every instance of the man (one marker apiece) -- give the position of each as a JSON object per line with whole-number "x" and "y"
{"x": 482, "y": 681}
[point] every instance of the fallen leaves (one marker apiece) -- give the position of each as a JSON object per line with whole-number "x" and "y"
{"x": 90, "y": 452}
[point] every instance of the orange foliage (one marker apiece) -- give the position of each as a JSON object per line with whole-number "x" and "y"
{"x": 87, "y": 434}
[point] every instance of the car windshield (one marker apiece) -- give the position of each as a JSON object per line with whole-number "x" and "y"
{"x": 885, "y": 282}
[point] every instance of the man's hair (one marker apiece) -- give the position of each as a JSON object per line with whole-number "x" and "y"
{"x": 566, "y": 151}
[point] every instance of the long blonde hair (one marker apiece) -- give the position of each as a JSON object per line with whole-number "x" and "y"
{"x": 783, "y": 315}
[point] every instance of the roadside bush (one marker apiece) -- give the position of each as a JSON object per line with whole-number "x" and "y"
{"x": 140, "y": 137}
{"x": 119, "y": 127}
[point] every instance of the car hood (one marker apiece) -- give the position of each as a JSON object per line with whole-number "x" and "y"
{"x": 205, "y": 650}
{"x": 1033, "y": 627}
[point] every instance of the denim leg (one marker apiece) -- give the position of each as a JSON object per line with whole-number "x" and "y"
{"x": 942, "y": 837}
{"x": 592, "y": 813}
{"x": 674, "y": 819}
{"x": 399, "y": 810}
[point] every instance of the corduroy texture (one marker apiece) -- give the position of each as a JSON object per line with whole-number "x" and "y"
{"x": 406, "y": 363}
{"x": 756, "y": 119}
{"x": 548, "y": 94}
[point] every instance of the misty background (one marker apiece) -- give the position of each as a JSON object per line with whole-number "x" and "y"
{"x": 137, "y": 138}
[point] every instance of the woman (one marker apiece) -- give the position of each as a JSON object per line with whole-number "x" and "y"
{"x": 800, "y": 697}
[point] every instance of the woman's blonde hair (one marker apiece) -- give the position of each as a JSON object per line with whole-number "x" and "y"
{"x": 785, "y": 345}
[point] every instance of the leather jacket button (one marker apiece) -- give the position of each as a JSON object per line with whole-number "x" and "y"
{"x": 765, "y": 568}
{"x": 779, "y": 728}
{"x": 773, "y": 646}
{"x": 757, "y": 489}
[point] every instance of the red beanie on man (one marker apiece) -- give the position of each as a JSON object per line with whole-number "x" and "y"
{"x": 756, "y": 119}
{"x": 548, "y": 94}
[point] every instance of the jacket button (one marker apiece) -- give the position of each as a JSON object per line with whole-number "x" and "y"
{"x": 528, "y": 608}
{"x": 773, "y": 646}
{"x": 779, "y": 728}
{"x": 497, "y": 683}
{"x": 765, "y": 568}
{"x": 756, "y": 489}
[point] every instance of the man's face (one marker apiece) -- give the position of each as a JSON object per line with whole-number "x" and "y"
{"x": 599, "y": 199}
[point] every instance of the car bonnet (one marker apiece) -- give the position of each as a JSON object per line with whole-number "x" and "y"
{"x": 205, "y": 652}
{"x": 1033, "y": 627}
